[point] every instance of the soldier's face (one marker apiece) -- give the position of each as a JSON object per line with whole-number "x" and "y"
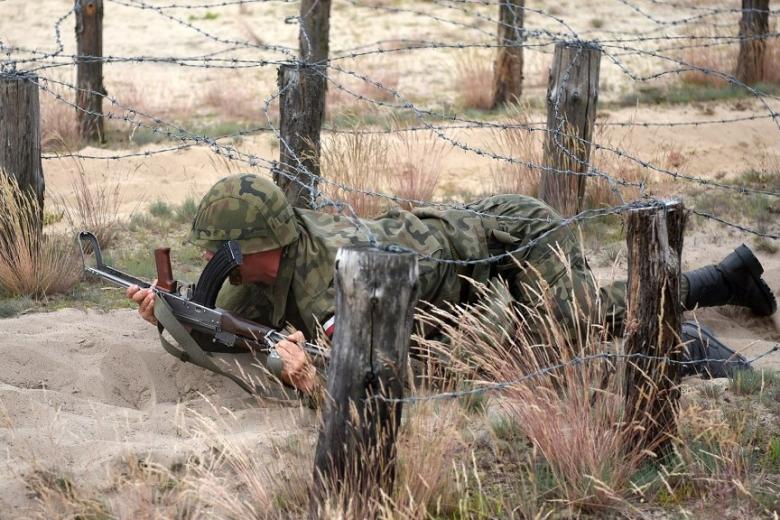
{"x": 260, "y": 267}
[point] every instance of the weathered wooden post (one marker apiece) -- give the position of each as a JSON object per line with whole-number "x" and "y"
{"x": 753, "y": 28}
{"x": 508, "y": 70}
{"x": 572, "y": 95}
{"x": 301, "y": 110}
{"x": 653, "y": 322}
{"x": 376, "y": 292}
{"x": 20, "y": 132}
{"x": 89, "y": 68}
{"x": 314, "y": 31}
{"x": 302, "y": 106}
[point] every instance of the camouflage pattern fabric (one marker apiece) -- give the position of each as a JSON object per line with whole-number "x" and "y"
{"x": 551, "y": 276}
{"x": 247, "y": 208}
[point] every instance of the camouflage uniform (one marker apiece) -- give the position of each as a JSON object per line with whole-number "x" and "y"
{"x": 303, "y": 293}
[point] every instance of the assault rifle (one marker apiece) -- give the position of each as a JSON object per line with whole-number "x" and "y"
{"x": 190, "y": 314}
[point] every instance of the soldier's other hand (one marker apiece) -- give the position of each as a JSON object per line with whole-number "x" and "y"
{"x": 145, "y": 300}
{"x": 297, "y": 369}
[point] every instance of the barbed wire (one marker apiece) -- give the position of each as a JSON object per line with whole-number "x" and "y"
{"x": 575, "y": 362}
{"x": 438, "y": 123}
{"x": 619, "y": 49}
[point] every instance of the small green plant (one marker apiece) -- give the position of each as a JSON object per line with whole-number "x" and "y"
{"x": 52, "y": 217}
{"x": 160, "y": 209}
{"x": 207, "y": 16}
{"x": 10, "y": 307}
{"x": 749, "y": 382}
{"x": 773, "y": 453}
{"x": 185, "y": 213}
{"x": 597, "y": 23}
{"x": 139, "y": 222}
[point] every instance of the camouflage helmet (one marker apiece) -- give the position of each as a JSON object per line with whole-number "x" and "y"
{"x": 246, "y": 208}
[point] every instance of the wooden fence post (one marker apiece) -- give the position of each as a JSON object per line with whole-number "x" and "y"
{"x": 508, "y": 70}
{"x": 753, "y": 27}
{"x": 572, "y": 95}
{"x": 301, "y": 109}
{"x": 302, "y": 106}
{"x": 89, "y": 69}
{"x": 314, "y": 31}
{"x": 20, "y": 132}
{"x": 653, "y": 322}
{"x": 376, "y": 292}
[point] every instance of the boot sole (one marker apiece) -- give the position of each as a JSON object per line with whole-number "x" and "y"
{"x": 769, "y": 305}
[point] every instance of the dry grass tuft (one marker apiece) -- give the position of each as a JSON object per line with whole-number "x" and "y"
{"x": 354, "y": 165}
{"x": 357, "y": 165}
{"x": 523, "y": 145}
{"x": 234, "y": 98}
{"x": 722, "y": 59}
{"x": 58, "y": 496}
{"x": 599, "y": 192}
{"x": 474, "y": 79}
{"x": 95, "y": 207}
{"x": 355, "y": 90}
{"x": 571, "y": 416}
{"x": 711, "y": 458}
{"x": 59, "y": 126}
{"x": 719, "y": 58}
{"x": 416, "y": 163}
{"x": 32, "y": 263}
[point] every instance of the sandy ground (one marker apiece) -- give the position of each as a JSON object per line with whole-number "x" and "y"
{"x": 81, "y": 390}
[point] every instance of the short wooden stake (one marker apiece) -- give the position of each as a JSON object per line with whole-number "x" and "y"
{"x": 89, "y": 69}
{"x": 653, "y": 323}
{"x": 572, "y": 95}
{"x": 376, "y": 292}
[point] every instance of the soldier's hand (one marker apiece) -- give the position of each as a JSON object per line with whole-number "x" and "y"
{"x": 297, "y": 369}
{"x": 145, "y": 300}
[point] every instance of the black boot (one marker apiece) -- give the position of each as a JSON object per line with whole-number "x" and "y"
{"x": 735, "y": 281}
{"x": 706, "y": 356}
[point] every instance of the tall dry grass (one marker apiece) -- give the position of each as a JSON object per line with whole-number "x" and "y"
{"x": 235, "y": 98}
{"x": 713, "y": 55}
{"x": 416, "y": 160}
{"x": 474, "y": 79}
{"x": 355, "y": 165}
{"x": 59, "y": 125}
{"x": 94, "y": 206}
{"x": 522, "y": 144}
{"x": 572, "y": 416}
{"x": 599, "y": 191}
{"x": 352, "y": 92}
{"x": 32, "y": 263}
{"x": 359, "y": 165}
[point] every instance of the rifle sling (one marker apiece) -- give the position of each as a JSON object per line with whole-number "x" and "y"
{"x": 190, "y": 350}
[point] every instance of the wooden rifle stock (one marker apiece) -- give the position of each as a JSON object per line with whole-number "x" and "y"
{"x": 162, "y": 259}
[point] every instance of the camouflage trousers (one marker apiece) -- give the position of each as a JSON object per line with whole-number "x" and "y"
{"x": 546, "y": 271}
